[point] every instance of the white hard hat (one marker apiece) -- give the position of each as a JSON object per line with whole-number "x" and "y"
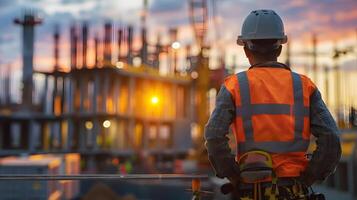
{"x": 262, "y": 24}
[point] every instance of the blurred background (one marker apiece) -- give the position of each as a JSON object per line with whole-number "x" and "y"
{"x": 126, "y": 87}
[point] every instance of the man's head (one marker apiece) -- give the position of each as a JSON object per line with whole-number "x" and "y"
{"x": 262, "y": 36}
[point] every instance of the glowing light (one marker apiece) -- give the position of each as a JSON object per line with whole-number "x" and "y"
{"x": 194, "y": 75}
{"x": 106, "y": 124}
{"x": 136, "y": 61}
{"x": 120, "y": 65}
{"x": 154, "y": 100}
{"x": 176, "y": 45}
{"x": 88, "y": 125}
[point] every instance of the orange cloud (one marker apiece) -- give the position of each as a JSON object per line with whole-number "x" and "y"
{"x": 346, "y": 16}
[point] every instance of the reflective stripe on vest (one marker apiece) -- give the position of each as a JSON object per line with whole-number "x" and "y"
{"x": 246, "y": 110}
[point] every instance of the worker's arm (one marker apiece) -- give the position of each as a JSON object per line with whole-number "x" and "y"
{"x": 216, "y": 130}
{"x": 328, "y": 152}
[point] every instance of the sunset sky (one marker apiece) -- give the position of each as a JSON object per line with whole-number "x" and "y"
{"x": 332, "y": 20}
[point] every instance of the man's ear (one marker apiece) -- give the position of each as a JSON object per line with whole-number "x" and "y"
{"x": 278, "y": 52}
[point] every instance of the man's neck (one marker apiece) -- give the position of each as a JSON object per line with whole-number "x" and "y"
{"x": 258, "y": 61}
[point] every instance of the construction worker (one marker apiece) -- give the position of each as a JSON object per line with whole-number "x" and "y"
{"x": 272, "y": 112}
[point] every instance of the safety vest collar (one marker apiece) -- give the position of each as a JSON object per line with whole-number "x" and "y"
{"x": 272, "y": 64}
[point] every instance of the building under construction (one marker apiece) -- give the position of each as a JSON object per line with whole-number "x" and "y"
{"x": 112, "y": 109}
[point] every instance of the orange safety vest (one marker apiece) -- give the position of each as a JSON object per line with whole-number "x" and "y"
{"x": 272, "y": 114}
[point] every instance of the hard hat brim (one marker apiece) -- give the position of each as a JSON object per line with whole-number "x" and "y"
{"x": 241, "y": 40}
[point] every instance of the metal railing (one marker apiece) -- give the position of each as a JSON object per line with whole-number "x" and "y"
{"x": 195, "y": 179}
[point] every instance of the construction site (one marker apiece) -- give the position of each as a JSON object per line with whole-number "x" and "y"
{"x": 130, "y": 104}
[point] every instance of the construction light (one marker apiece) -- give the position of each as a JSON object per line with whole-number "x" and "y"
{"x": 88, "y": 125}
{"x": 194, "y": 75}
{"x": 176, "y": 45}
{"x": 154, "y": 100}
{"x": 120, "y": 65}
{"x": 106, "y": 124}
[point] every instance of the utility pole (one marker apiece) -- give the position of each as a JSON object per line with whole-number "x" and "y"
{"x": 28, "y": 23}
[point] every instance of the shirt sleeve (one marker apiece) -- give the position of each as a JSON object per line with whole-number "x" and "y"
{"x": 216, "y": 130}
{"x": 328, "y": 152}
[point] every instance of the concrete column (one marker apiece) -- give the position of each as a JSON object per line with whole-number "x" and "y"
{"x": 193, "y": 105}
{"x": 96, "y": 129}
{"x": 95, "y": 94}
{"x": 106, "y": 82}
{"x": 131, "y": 114}
{"x": 82, "y": 132}
{"x": 54, "y": 93}
{"x": 82, "y": 91}
{"x": 28, "y": 23}
{"x": 70, "y": 94}
{"x": 44, "y": 94}
{"x": 69, "y": 143}
{"x": 116, "y": 94}
{"x": 175, "y": 104}
{"x": 49, "y": 98}
{"x": 70, "y": 97}
{"x": 31, "y": 138}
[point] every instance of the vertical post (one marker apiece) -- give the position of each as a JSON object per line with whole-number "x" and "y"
{"x": 131, "y": 114}
{"x": 120, "y": 38}
{"x": 96, "y": 52}
{"x": 143, "y": 32}
{"x": 314, "y": 57}
{"x": 67, "y": 101}
{"x": 82, "y": 93}
{"x": 8, "y": 85}
{"x": 130, "y": 45}
{"x": 116, "y": 95}
{"x": 44, "y": 94}
{"x": 107, "y": 44}
{"x": 84, "y": 44}
{"x": 95, "y": 94}
{"x": 337, "y": 83}
{"x": 105, "y": 93}
{"x": 74, "y": 41}
{"x": 28, "y": 24}
{"x": 158, "y": 48}
{"x": 31, "y": 138}
{"x": 56, "y": 37}
{"x": 173, "y": 63}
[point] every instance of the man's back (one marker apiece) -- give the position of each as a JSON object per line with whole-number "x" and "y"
{"x": 274, "y": 111}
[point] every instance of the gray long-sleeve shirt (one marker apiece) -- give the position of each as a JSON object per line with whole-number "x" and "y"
{"x": 324, "y": 159}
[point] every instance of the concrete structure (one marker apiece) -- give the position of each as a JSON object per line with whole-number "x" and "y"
{"x": 28, "y": 23}
{"x": 104, "y": 109}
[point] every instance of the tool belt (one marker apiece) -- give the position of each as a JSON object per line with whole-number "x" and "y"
{"x": 268, "y": 191}
{"x": 258, "y": 181}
